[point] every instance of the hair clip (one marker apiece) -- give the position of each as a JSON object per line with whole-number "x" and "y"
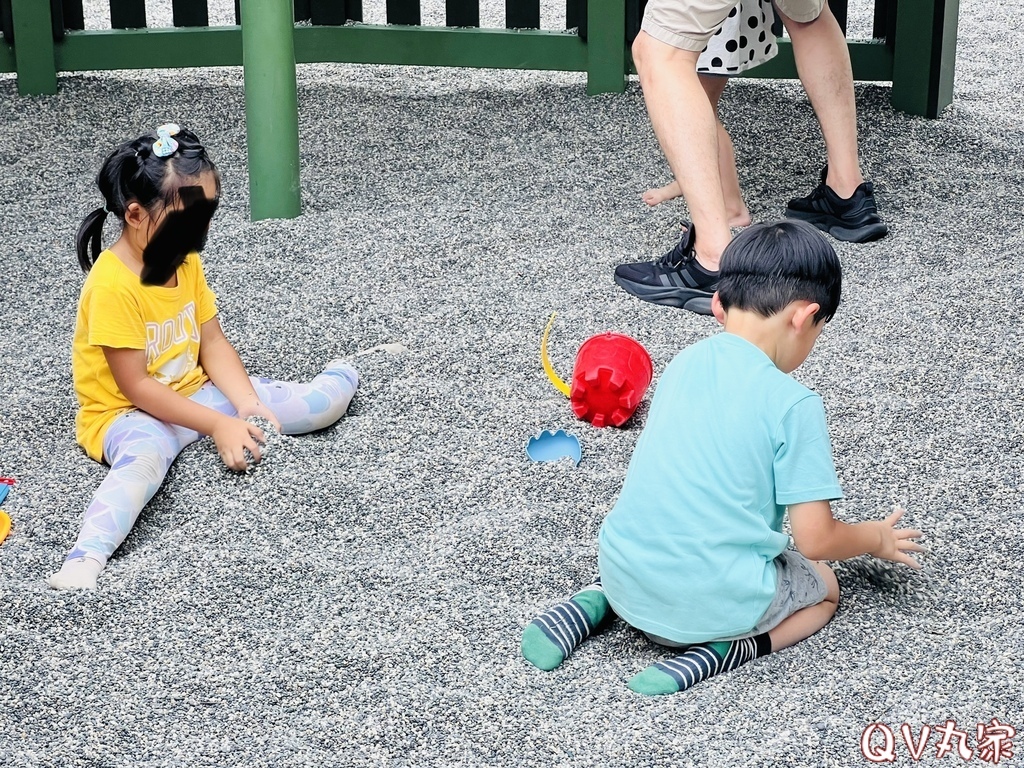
{"x": 165, "y": 146}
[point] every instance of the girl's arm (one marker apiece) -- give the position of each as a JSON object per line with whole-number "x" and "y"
{"x": 819, "y": 536}
{"x": 225, "y": 369}
{"x": 231, "y": 435}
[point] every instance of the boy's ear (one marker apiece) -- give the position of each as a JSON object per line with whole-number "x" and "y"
{"x": 803, "y": 317}
{"x": 717, "y": 309}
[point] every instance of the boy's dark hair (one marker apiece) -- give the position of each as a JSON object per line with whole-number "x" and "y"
{"x": 133, "y": 172}
{"x": 768, "y": 266}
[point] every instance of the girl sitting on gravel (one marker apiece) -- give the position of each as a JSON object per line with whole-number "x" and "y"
{"x": 153, "y": 370}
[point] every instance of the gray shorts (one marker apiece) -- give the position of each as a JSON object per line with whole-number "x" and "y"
{"x": 798, "y": 585}
{"x": 689, "y": 24}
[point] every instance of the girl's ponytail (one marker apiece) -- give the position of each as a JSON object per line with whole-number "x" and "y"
{"x": 115, "y": 183}
{"x": 89, "y": 235}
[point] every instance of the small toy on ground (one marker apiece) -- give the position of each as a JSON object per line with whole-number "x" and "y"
{"x": 611, "y": 375}
{"x": 552, "y": 446}
{"x": 6, "y": 483}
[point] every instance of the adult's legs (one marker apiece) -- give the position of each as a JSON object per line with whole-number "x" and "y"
{"x": 687, "y": 130}
{"x": 823, "y": 64}
{"x": 735, "y": 209}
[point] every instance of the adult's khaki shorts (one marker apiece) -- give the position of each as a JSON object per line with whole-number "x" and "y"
{"x": 689, "y": 24}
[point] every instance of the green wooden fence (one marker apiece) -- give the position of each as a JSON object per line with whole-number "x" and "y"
{"x": 913, "y": 45}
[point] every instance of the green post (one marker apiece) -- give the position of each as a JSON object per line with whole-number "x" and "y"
{"x": 33, "y": 47}
{"x": 924, "y": 56}
{"x": 271, "y": 109}
{"x": 606, "y": 46}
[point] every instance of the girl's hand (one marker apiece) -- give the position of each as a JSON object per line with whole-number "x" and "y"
{"x": 233, "y": 438}
{"x": 256, "y": 408}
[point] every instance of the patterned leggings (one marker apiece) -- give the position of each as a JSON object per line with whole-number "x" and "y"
{"x": 140, "y": 449}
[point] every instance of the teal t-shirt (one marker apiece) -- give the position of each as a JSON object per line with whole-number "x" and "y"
{"x": 687, "y": 551}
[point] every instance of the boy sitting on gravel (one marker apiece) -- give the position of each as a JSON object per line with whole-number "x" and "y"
{"x": 693, "y": 552}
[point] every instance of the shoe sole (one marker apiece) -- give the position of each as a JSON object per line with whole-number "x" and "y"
{"x": 698, "y": 302}
{"x": 832, "y": 226}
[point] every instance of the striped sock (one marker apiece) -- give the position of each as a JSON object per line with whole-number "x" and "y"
{"x": 555, "y": 634}
{"x": 697, "y": 663}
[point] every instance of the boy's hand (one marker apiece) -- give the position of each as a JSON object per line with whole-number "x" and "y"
{"x": 233, "y": 438}
{"x": 896, "y": 542}
{"x": 819, "y": 536}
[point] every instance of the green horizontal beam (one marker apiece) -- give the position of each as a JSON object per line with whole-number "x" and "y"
{"x": 374, "y": 44}
{"x": 441, "y": 47}
{"x": 353, "y": 44}
{"x": 158, "y": 48}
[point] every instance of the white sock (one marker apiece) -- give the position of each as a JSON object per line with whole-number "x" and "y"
{"x": 78, "y": 573}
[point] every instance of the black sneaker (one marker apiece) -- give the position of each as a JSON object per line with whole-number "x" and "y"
{"x": 675, "y": 280}
{"x": 854, "y": 220}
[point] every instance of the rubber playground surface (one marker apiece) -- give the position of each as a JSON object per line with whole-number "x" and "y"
{"x": 358, "y": 600}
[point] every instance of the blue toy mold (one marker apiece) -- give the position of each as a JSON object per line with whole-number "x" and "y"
{"x": 552, "y": 446}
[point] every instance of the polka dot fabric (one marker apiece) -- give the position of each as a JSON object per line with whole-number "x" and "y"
{"x": 744, "y": 40}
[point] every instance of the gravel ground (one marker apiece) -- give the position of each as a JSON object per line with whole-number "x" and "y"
{"x": 358, "y": 599}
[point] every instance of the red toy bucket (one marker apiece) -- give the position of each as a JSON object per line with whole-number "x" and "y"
{"x": 611, "y": 375}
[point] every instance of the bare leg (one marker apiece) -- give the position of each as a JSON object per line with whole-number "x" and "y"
{"x": 687, "y": 130}
{"x": 735, "y": 209}
{"x": 823, "y": 63}
{"x": 807, "y": 621}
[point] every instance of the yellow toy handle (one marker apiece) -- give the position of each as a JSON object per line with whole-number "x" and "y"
{"x": 560, "y": 385}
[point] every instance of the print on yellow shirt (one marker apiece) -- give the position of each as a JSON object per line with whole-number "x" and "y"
{"x": 160, "y": 337}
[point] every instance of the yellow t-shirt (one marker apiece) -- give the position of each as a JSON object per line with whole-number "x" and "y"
{"x": 116, "y": 310}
